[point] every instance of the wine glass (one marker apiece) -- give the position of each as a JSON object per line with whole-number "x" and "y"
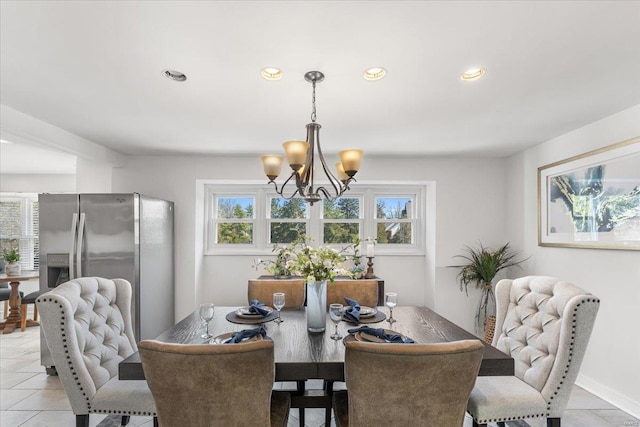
{"x": 206, "y": 314}
{"x": 336, "y": 311}
{"x": 278, "y": 303}
{"x": 391, "y": 300}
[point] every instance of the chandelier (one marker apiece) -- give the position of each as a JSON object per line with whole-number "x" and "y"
{"x": 301, "y": 156}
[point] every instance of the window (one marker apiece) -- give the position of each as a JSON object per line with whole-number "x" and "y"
{"x": 341, "y": 221}
{"x": 19, "y": 221}
{"x": 234, "y": 220}
{"x": 247, "y": 219}
{"x": 287, "y": 219}
{"x": 394, "y": 220}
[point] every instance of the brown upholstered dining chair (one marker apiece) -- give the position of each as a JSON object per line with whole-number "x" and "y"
{"x": 263, "y": 290}
{"x": 407, "y": 384}
{"x": 204, "y": 385}
{"x": 363, "y": 291}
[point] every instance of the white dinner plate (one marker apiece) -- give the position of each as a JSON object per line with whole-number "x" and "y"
{"x": 246, "y": 313}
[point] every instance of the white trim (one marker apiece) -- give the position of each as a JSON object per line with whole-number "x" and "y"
{"x": 609, "y": 395}
{"x": 366, "y": 192}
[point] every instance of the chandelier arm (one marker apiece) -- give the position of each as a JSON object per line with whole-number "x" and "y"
{"x": 280, "y": 192}
{"x": 327, "y": 195}
{"x": 335, "y": 183}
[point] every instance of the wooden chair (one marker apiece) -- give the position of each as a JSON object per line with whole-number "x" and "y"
{"x": 263, "y": 290}
{"x": 204, "y": 385}
{"x": 363, "y": 291}
{"x": 87, "y": 327}
{"x": 407, "y": 384}
{"x": 544, "y": 323}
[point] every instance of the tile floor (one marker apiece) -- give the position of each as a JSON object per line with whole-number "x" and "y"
{"x": 30, "y": 398}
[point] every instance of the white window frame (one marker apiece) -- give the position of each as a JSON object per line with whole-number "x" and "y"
{"x": 28, "y": 233}
{"x": 366, "y": 191}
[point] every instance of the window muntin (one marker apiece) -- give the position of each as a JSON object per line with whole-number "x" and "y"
{"x": 19, "y": 225}
{"x": 341, "y": 220}
{"x": 234, "y": 220}
{"x": 287, "y": 219}
{"x": 401, "y": 230}
{"x": 394, "y": 218}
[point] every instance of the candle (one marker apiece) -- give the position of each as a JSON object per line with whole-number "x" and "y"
{"x": 370, "y": 250}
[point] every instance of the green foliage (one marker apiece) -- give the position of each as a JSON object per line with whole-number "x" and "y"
{"x": 10, "y": 255}
{"x": 482, "y": 267}
{"x": 317, "y": 264}
{"x": 234, "y": 232}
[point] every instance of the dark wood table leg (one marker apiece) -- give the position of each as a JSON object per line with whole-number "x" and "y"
{"x": 13, "y": 321}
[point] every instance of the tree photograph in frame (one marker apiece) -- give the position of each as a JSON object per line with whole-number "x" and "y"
{"x": 592, "y": 200}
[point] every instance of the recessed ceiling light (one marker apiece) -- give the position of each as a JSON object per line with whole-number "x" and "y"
{"x": 375, "y": 73}
{"x": 4, "y": 141}
{"x": 174, "y": 75}
{"x": 473, "y": 74}
{"x": 271, "y": 73}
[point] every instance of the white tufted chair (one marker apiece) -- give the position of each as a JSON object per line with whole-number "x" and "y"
{"x": 87, "y": 326}
{"x": 544, "y": 324}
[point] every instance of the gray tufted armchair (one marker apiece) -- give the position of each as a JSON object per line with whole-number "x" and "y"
{"x": 544, "y": 324}
{"x": 87, "y": 326}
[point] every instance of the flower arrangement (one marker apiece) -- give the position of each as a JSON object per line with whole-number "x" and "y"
{"x": 282, "y": 265}
{"x": 317, "y": 264}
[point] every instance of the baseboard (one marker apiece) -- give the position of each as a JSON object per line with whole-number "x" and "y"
{"x": 606, "y": 393}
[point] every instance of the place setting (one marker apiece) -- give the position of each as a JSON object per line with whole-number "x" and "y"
{"x": 246, "y": 335}
{"x": 257, "y": 312}
{"x": 354, "y": 313}
{"x": 377, "y": 335}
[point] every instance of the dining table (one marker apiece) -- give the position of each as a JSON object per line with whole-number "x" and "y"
{"x": 300, "y": 355}
{"x": 13, "y": 320}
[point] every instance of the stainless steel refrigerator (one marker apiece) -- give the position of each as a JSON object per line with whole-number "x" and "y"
{"x": 127, "y": 236}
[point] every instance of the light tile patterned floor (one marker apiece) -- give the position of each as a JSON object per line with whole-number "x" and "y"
{"x": 30, "y": 398}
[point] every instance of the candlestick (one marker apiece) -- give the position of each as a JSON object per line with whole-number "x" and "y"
{"x": 370, "y": 274}
{"x": 370, "y": 251}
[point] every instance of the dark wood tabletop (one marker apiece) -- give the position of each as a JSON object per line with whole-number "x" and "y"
{"x": 300, "y": 355}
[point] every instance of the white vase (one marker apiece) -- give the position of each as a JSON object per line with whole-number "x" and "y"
{"x": 13, "y": 269}
{"x": 316, "y": 306}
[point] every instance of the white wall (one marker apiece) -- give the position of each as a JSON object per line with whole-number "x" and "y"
{"x": 93, "y": 177}
{"x": 37, "y": 183}
{"x": 470, "y": 195}
{"x": 611, "y": 368}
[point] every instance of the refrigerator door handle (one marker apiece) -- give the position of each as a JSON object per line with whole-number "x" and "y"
{"x": 79, "y": 246}
{"x": 74, "y": 226}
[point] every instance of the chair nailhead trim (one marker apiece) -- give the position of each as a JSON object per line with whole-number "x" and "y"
{"x": 566, "y": 371}
{"x": 73, "y": 372}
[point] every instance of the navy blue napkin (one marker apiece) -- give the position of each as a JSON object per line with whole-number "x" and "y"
{"x": 246, "y": 334}
{"x": 380, "y": 333}
{"x": 256, "y": 307}
{"x": 353, "y": 312}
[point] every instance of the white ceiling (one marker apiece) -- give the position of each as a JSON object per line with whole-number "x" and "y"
{"x": 94, "y": 69}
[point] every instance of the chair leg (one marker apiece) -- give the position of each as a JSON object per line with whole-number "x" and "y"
{"x": 35, "y": 312}
{"x": 475, "y": 424}
{"x": 82, "y": 420}
{"x": 328, "y": 385}
{"x": 125, "y": 420}
{"x": 23, "y": 317}
{"x": 6, "y": 309}
{"x": 301, "y": 386}
{"x": 155, "y": 422}
{"x": 501, "y": 424}
{"x": 553, "y": 422}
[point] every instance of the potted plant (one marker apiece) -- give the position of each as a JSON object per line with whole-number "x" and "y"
{"x": 481, "y": 268}
{"x": 11, "y": 256}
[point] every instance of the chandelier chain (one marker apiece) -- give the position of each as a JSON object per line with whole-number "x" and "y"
{"x": 313, "y": 103}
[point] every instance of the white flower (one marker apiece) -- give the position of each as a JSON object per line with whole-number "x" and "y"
{"x": 311, "y": 279}
{"x": 327, "y": 263}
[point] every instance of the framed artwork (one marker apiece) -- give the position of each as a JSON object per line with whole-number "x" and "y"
{"x": 592, "y": 200}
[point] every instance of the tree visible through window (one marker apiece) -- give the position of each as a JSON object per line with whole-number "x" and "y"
{"x": 341, "y": 220}
{"x": 288, "y": 219}
{"x": 235, "y": 220}
{"x": 394, "y": 220}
